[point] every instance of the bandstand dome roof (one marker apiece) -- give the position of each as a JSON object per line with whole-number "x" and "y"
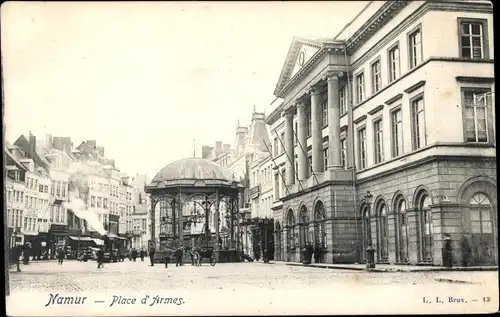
{"x": 193, "y": 172}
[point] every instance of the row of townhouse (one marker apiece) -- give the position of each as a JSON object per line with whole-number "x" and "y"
{"x": 42, "y": 179}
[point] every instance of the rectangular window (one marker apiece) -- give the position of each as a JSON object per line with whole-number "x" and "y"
{"x": 105, "y": 203}
{"x": 397, "y": 133}
{"x": 376, "y": 77}
{"x": 277, "y": 185}
{"x": 343, "y": 152}
{"x": 276, "y": 149}
{"x": 92, "y": 201}
{"x": 360, "y": 87}
{"x": 324, "y": 106}
{"x": 309, "y": 124}
{"x": 473, "y": 38}
{"x": 415, "y": 45}
{"x": 362, "y": 148}
{"x": 309, "y": 162}
{"x": 394, "y": 63}
{"x": 418, "y": 123}
{"x": 379, "y": 147}
{"x": 325, "y": 157}
{"x": 475, "y": 110}
{"x": 343, "y": 101}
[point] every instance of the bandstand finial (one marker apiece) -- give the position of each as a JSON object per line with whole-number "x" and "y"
{"x": 194, "y": 147}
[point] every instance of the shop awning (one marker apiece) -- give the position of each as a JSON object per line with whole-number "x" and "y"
{"x": 80, "y": 238}
{"x": 114, "y": 236}
{"x": 98, "y": 241}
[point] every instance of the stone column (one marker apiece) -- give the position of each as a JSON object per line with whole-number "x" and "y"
{"x": 318, "y": 162}
{"x": 334, "y": 155}
{"x": 302, "y": 141}
{"x": 290, "y": 156}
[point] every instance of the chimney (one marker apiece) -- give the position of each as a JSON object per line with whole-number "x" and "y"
{"x": 226, "y": 148}
{"x": 205, "y": 151}
{"x": 218, "y": 148}
{"x": 49, "y": 141}
{"x": 32, "y": 146}
{"x": 100, "y": 150}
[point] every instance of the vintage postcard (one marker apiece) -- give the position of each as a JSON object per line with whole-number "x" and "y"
{"x": 249, "y": 158}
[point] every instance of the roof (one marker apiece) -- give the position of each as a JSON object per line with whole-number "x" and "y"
{"x": 193, "y": 172}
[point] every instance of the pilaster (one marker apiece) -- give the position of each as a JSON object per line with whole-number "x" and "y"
{"x": 302, "y": 141}
{"x": 289, "y": 149}
{"x": 318, "y": 162}
{"x": 392, "y": 232}
{"x": 413, "y": 239}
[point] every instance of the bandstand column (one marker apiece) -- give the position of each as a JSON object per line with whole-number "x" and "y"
{"x": 153, "y": 221}
{"x": 334, "y": 155}
{"x": 181, "y": 221}
{"x": 302, "y": 140}
{"x": 217, "y": 234}
{"x": 289, "y": 146}
{"x": 318, "y": 162}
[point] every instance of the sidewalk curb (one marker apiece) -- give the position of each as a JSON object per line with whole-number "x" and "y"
{"x": 390, "y": 270}
{"x": 454, "y": 281}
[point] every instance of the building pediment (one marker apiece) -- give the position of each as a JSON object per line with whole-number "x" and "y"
{"x": 302, "y": 56}
{"x": 300, "y": 52}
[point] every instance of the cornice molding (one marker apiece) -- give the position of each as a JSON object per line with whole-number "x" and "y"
{"x": 413, "y": 17}
{"x": 360, "y": 119}
{"x": 466, "y": 79}
{"x": 375, "y": 110}
{"x": 374, "y": 23}
{"x": 414, "y": 87}
{"x": 394, "y": 99}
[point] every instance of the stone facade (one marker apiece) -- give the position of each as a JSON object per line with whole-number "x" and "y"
{"x": 408, "y": 154}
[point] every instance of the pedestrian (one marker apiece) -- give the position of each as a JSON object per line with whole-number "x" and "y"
{"x": 177, "y": 256}
{"x": 448, "y": 252}
{"x": 26, "y": 257}
{"x": 316, "y": 252}
{"x": 181, "y": 254}
{"x": 141, "y": 254}
{"x": 309, "y": 253}
{"x": 466, "y": 249}
{"x": 16, "y": 254}
{"x": 134, "y": 254}
{"x": 60, "y": 256}
{"x": 152, "y": 256}
{"x": 100, "y": 258}
{"x": 266, "y": 256}
{"x": 191, "y": 254}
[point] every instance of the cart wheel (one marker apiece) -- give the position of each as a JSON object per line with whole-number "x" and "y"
{"x": 212, "y": 261}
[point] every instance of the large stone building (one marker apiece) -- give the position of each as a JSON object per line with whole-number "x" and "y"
{"x": 386, "y": 136}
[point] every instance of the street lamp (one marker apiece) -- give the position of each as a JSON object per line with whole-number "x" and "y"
{"x": 369, "y": 250}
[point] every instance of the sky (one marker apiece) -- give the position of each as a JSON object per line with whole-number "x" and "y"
{"x": 145, "y": 79}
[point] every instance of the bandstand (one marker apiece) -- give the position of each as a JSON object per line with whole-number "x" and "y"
{"x": 195, "y": 200}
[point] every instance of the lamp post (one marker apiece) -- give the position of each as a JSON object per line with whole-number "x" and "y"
{"x": 370, "y": 251}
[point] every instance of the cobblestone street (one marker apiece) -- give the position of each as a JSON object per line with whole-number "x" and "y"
{"x": 255, "y": 282}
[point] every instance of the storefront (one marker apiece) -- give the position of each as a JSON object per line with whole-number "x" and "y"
{"x": 57, "y": 238}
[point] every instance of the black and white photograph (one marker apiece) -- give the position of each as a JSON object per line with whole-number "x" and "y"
{"x": 189, "y": 158}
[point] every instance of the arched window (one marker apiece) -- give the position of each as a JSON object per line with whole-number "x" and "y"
{"x": 481, "y": 225}
{"x": 402, "y": 230}
{"x": 425, "y": 219}
{"x": 303, "y": 223}
{"x": 382, "y": 232}
{"x": 290, "y": 234}
{"x": 319, "y": 225}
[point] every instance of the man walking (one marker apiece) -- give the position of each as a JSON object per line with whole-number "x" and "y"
{"x": 152, "y": 256}
{"x": 60, "y": 256}
{"x": 100, "y": 258}
{"x": 16, "y": 254}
